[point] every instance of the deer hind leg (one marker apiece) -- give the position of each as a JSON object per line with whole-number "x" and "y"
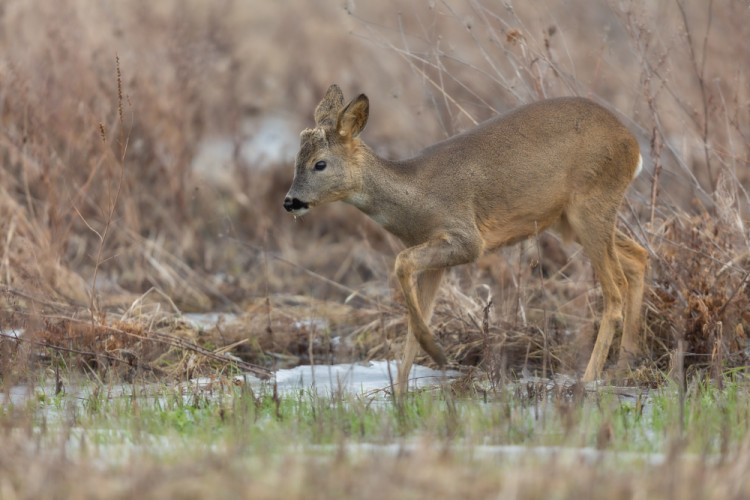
{"x": 436, "y": 254}
{"x": 427, "y": 285}
{"x": 596, "y": 232}
{"x": 633, "y": 261}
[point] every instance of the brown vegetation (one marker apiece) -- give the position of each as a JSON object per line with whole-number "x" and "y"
{"x": 108, "y": 228}
{"x": 417, "y": 472}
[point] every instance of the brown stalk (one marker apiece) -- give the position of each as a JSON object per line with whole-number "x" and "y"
{"x": 111, "y": 200}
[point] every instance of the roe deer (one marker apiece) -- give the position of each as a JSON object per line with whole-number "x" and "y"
{"x": 560, "y": 163}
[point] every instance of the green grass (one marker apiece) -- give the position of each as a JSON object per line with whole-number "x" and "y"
{"x": 229, "y": 440}
{"x": 711, "y": 421}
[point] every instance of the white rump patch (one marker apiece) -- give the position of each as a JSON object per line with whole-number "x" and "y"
{"x": 639, "y": 168}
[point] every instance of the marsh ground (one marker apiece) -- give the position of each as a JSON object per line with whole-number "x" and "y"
{"x": 144, "y": 153}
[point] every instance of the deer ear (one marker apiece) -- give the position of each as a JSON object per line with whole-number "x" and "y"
{"x": 353, "y": 118}
{"x": 328, "y": 109}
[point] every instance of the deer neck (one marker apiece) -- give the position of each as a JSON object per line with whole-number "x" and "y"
{"x": 386, "y": 190}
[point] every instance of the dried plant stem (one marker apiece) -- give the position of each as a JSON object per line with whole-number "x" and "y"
{"x": 97, "y": 355}
{"x": 181, "y": 343}
{"x": 111, "y": 199}
{"x": 545, "y": 348}
{"x": 700, "y": 75}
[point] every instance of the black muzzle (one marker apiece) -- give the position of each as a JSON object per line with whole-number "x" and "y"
{"x": 293, "y": 204}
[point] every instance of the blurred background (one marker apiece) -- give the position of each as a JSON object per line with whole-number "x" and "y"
{"x": 146, "y": 148}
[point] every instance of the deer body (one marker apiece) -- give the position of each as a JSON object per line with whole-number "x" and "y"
{"x": 560, "y": 163}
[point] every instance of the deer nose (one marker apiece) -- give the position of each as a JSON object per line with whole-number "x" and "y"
{"x": 291, "y": 204}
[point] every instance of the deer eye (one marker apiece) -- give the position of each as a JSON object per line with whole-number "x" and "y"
{"x": 321, "y": 165}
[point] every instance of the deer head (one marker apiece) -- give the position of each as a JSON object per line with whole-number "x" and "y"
{"x": 328, "y": 165}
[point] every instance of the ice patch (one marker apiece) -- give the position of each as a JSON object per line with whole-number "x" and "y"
{"x": 207, "y": 320}
{"x": 13, "y": 332}
{"x": 356, "y": 378}
{"x": 316, "y": 324}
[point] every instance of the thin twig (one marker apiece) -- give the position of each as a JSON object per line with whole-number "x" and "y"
{"x": 352, "y": 292}
{"x": 97, "y": 355}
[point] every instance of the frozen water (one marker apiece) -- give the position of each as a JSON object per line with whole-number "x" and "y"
{"x": 207, "y": 320}
{"x": 355, "y": 378}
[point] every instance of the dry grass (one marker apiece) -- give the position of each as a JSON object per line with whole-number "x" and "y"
{"x": 421, "y": 473}
{"x": 103, "y": 271}
{"x": 96, "y": 274}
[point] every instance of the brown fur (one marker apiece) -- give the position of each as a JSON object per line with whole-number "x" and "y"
{"x": 559, "y": 163}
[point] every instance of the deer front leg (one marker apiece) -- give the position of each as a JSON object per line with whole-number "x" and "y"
{"x": 427, "y": 284}
{"x": 439, "y": 253}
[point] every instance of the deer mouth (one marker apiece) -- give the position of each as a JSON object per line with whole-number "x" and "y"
{"x": 295, "y": 206}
